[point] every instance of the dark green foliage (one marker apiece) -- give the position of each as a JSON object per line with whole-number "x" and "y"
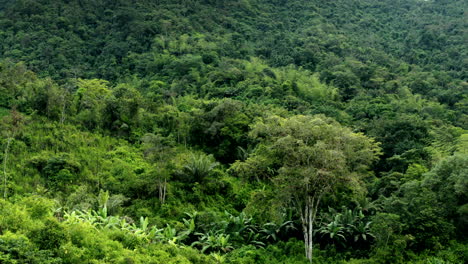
{"x": 449, "y": 181}
{"x": 346, "y": 229}
{"x": 18, "y": 249}
{"x": 50, "y": 237}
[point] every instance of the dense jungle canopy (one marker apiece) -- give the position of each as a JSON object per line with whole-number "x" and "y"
{"x": 241, "y": 131}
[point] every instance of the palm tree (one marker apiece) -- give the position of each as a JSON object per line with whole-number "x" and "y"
{"x": 199, "y": 166}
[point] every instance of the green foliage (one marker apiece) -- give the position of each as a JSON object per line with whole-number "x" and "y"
{"x": 118, "y": 117}
{"x": 198, "y": 168}
{"x": 449, "y": 182}
{"x": 348, "y": 228}
{"x": 18, "y": 249}
{"x": 50, "y": 237}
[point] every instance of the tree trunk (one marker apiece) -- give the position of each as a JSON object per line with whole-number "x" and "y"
{"x": 308, "y": 224}
{"x": 311, "y": 221}
{"x": 304, "y": 230}
{"x": 307, "y": 229}
{"x": 162, "y": 188}
{"x": 308, "y": 215}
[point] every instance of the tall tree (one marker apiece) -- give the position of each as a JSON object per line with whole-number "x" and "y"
{"x": 158, "y": 150}
{"x": 308, "y": 157}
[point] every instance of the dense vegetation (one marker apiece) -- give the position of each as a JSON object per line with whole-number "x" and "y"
{"x": 247, "y": 131}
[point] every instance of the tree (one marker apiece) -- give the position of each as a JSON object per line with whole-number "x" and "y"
{"x": 88, "y": 101}
{"x": 199, "y": 167}
{"x": 309, "y": 157}
{"x": 448, "y": 179}
{"x": 403, "y": 140}
{"x": 13, "y": 124}
{"x": 158, "y": 150}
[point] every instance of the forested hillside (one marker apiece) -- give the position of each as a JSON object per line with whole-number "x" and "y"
{"x": 243, "y": 131}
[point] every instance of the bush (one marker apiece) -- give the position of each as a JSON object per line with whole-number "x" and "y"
{"x": 17, "y": 249}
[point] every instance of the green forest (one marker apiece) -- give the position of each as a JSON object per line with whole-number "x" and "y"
{"x": 241, "y": 131}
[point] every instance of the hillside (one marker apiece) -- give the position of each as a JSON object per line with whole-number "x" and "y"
{"x": 249, "y": 131}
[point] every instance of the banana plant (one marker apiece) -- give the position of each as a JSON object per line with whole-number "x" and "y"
{"x": 347, "y": 225}
{"x": 169, "y": 235}
{"x": 214, "y": 242}
{"x": 272, "y": 231}
{"x": 254, "y": 239}
{"x": 142, "y": 229}
{"x": 112, "y": 223}
{"x": 218, "y": 258}
{"x": 334, "y": 231}
{"x": 103, "y": 198}
{"x": 223, "y": 243}
{"x": 155, "y": 233}
{"x": 190, "y": 226}
{"x": 362, "y": 231}
{"x": 240, "y": 228}
{"x": 144, "y": 224}
{"x": 72, "y": 217}
{"x": 123, "y": 224}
